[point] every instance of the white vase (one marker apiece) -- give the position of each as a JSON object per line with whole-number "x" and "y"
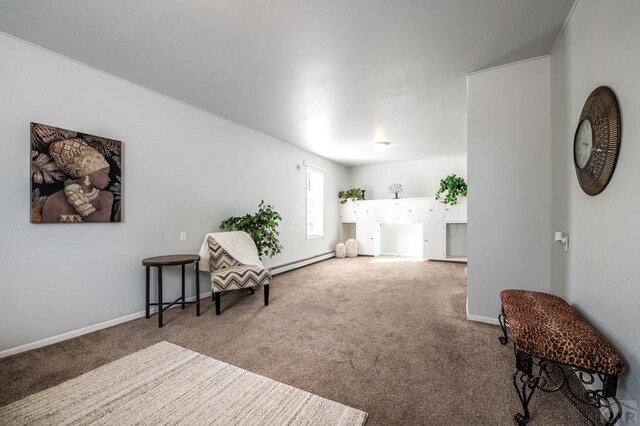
{"x": 341, "y": 250}
{"x": 352, "y": 247}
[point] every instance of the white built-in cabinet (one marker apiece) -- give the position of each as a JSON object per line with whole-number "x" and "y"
{"x": 444, "y": 227}
{"x": 445, "y": 231}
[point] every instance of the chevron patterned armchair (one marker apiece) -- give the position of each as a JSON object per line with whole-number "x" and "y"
{"x": 229, "y": 274}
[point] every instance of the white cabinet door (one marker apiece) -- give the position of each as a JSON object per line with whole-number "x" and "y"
{"x": 376, "y": 239}
{"x": 457, "y": 212}
{"x": 387, "y": 211}
{"x": 435, "y": 211}
{"x": 410, "y": 210}
{"x": 364, "y": 235}
{"x": 365, "y": 211}
{"x": 348, "y": 212}
{"x": 434, "y": 240}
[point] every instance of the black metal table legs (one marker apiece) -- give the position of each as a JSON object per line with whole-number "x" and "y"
{"x": 148, "y": 273}
{"x": 160, "y": 299}
{"x": 197, "y": 290}
{"x": 183, "y": 306}
{"x": 163, "y": 306}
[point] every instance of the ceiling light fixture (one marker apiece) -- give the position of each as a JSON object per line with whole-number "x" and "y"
{"x": 381, "y": 145}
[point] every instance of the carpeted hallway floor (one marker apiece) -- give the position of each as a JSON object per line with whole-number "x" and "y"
{"x": 388, "y": 338}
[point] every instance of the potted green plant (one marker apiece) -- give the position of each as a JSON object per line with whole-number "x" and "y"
{"x": 451, "y": 187}
{"x": 353, "y": 194}
{"x": 261, "y": 226}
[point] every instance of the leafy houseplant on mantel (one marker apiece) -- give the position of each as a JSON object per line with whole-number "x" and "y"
{"x": 353, "y": 194}
{"x": 451, "y": 187}
{"x": 261, "y": 226}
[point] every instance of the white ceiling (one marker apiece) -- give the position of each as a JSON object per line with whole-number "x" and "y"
{"x": 330, "y": 76}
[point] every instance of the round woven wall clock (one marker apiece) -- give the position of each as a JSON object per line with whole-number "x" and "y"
{"x": 597, "y": 140}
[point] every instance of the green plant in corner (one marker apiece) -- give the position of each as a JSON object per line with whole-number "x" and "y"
{"x": 454, "y": 186}
{"x": 261, "y": 226}
{"x": 353, "y": 194}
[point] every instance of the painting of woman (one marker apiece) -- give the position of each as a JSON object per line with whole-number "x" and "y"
{"x": 76, "y": 177}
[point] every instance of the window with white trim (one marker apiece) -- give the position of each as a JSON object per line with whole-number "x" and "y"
{"x": 315, "y": 202}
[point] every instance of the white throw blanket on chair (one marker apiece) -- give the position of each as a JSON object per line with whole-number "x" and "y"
{"x": 238, "y": 244}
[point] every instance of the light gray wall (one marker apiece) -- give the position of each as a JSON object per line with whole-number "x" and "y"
{"x": 509, "y": 210}
{"x": 419, "y": 178}
{"x": 601, "y": 273}
{"x": 184, "y": 170}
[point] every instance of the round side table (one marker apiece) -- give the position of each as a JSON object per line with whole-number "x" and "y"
{"x": 172, "y": 260}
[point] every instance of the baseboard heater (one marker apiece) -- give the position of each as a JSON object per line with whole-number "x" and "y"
{"x": 275, "y": 270}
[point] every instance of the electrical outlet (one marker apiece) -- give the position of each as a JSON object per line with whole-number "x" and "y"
{"x": 183, "y": 236}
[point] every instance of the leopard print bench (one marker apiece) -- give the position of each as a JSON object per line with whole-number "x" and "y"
{"x": 546, "y": 328}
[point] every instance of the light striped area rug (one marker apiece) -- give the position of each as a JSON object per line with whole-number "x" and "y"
{"x": 166, "y": 384}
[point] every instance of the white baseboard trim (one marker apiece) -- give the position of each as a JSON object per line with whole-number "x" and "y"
{"x": 141, "y": 314}
{"x": 486, "y": 320}
{"x": 295, "y": 265}
{"x": 85, "y": 330}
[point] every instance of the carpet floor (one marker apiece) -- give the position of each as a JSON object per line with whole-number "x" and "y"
{"x": 389, "y": 338}
{"x": 166, "y": 384}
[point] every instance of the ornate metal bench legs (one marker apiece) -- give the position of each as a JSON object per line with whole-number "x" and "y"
{"x": 502, "y": 319}
{"x": 525, "y": 383}
{"x": 552, "y": 377}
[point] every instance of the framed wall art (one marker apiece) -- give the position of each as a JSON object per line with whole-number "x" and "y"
{"x": 75, "y": 177}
